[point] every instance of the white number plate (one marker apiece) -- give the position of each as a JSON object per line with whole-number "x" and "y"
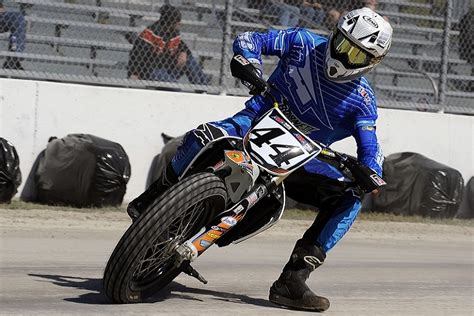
{"x": 278, "y": 146}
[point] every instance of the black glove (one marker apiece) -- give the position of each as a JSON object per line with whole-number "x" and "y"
{"x": 367, "y": 179}
{"x": 250, "y": 74}
{"x": 258, "y": 71}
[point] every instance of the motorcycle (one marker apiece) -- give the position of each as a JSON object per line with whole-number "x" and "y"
{"x": 231, "y": 191}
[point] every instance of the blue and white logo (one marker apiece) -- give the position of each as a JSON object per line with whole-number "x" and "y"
{"x": 229, "y": 220}
{"x": 204, "y": 243}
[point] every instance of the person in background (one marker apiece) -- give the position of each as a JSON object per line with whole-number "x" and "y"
{"x": 466, "y": 36}
{"x": 314, "y": 11}
{"x": 466, "y": 42}
{"x": 13, "y": 22}
{"x": 332, "y": 17}
{"x": 159, "y": 53}
{"x": 372, "y": 4}
{"x": 289, "y": 15}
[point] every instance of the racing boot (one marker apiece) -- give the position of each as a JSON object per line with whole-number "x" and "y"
{"x": 290, "y": 289}
{"x": 164, "y": 182}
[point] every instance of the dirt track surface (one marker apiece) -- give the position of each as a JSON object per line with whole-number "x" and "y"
{"x": 51, "y": 262}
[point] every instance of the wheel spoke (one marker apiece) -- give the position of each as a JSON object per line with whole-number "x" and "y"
{"x": 162, "y": 249}
{"x": 181, "y": 231}
{"x": 152, "y": 257}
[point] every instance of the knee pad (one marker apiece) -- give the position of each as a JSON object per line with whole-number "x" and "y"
{"x": 207, "y": 132}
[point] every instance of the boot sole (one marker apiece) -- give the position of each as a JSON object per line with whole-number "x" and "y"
{"x": 295, "y": 304}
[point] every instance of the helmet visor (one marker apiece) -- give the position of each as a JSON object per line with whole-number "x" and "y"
{"x": 348, "y": 53}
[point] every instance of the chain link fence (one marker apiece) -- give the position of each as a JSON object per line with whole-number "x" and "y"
{"x": 186, "y": 45}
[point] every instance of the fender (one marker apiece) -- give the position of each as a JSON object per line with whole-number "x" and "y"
{"x": 271, "y": 207}
{"x": 210, "y": 136}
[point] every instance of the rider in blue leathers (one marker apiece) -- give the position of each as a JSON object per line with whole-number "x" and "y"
{"x": 328, "y": 100}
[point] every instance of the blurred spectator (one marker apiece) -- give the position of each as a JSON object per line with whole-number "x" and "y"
{"x": 313, "y": 10}
{"x": 466, "y": 37}
{"x": 372, "y": 4}
{"x": 466, "y": 43}
{"x": 13, "y": 22}
{"x": 332, "y": 17}
{"x": 340, "y": 7}
{"x": 460, "y": 7}
{"x": 289, "y": 15}
{"x": 159, "y": 53}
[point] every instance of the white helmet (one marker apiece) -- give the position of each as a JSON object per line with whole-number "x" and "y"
{"x": 359, "y": 42}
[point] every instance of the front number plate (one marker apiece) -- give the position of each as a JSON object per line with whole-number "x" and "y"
{"x": 277, "y": 145}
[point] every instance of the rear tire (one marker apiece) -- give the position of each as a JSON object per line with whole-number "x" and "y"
{"x": 143, "y": 260}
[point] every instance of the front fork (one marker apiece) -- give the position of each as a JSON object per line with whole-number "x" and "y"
{"x": 207, "y": 236}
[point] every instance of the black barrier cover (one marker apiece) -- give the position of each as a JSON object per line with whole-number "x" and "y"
{"x": 30, "y": 192}
{"x": 81, "y": 170}
{"x": 470, "y": 195}
{"x": 466, "y": 210}
{"x": 161, "y": 160}
{"x": 112, "y": 172}
{"x": 417, "y": 185}
{"x": 10, "y": 174}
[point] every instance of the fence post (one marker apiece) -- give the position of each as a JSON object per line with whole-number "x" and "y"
{"x": 443, "y": 76}
{"x": 226, "y": 42}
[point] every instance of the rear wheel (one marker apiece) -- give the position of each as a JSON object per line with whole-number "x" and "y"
{"x": 143, "y": 261}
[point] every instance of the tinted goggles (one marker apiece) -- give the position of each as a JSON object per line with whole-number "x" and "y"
{"x": 348, "y": 53}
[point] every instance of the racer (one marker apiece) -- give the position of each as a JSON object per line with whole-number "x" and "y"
{"x": 328, "y": 100}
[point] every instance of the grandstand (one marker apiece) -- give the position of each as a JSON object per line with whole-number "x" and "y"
{"x": 89, "y": 41}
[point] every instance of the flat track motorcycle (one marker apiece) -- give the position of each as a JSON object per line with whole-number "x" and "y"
{"x": 231, "y": 191}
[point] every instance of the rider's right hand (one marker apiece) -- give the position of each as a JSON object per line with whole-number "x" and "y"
{"x": 252, "y": 89}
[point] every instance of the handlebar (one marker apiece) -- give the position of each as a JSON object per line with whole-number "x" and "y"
{"x": 365, "y": 177}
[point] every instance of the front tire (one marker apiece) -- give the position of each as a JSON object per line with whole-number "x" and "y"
{"x": 143, "y": 261}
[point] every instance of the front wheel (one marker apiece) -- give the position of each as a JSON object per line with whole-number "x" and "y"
{"x": 143, "y": 261}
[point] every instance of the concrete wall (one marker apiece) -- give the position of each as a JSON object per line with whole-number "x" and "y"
{"x": 31, "y": 112}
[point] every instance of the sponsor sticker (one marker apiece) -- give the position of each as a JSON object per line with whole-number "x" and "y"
{"x": 364, "y": 94}
{"x": 282, "y": 122}
{"x": 300, "y": 125}
{"x": 217, "y": 228}
{"x": 378, "y": 180}
{"x": 382, "y": 39}
{"x": 229, "y": 220}
{"x": 278, "y": 119}
{"x": 237, "y": 210}
{"x": 242, "y": 60}
{"x": 212, "y": 235}
{"x": 247, "y": 167}
{"x": 252, "y": 199}
{"x": 204, "y": 243}
{"x": 308, "y": 147}
{"x": 369, "y": 20}
{"x": 235, "y": 156}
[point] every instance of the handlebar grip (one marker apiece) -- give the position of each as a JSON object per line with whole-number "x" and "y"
{"x": 242, "y": 69}
{"x": 366, "y": 178}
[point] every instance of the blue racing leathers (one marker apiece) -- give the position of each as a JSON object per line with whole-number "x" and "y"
{"x": 324, "y": 110}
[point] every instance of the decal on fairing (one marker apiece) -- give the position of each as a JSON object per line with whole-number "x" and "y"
{"x": 229, "y": 220}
